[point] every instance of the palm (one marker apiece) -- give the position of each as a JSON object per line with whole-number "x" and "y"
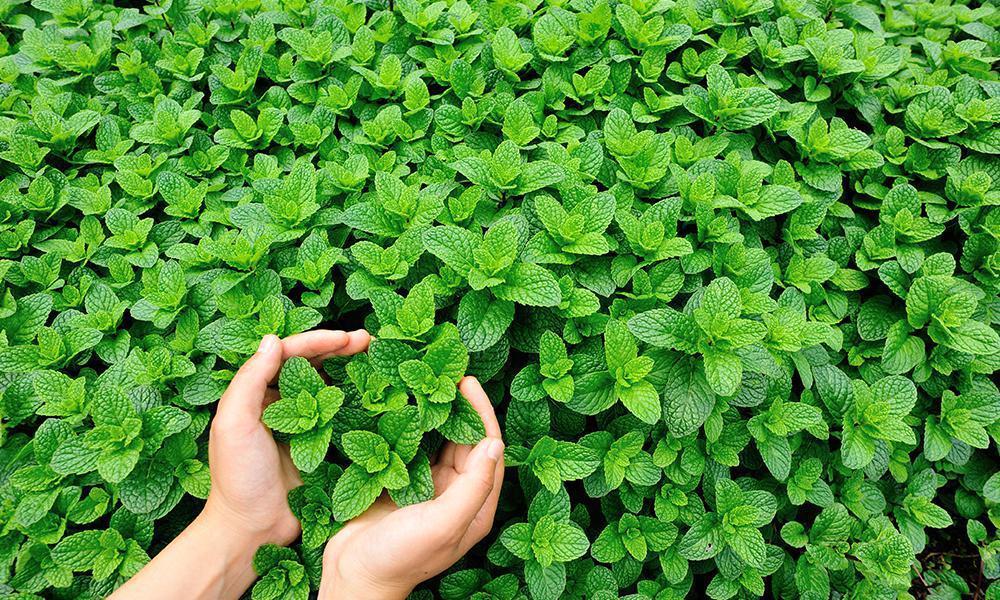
{"x": 387, "y": 539}
{"x": 251, "y": 473}
{"x": 416, "y": 542}
{"x": 254, "y": 475}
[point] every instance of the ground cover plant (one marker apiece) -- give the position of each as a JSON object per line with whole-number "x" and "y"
{"x": 729, "y": 269}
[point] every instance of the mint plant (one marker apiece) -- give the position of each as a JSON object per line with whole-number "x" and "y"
{"x": 734, "y": 526}
{"x": 547, "y": 541}
{"x": 633, "y": 536}
{"x": 305, "y": 411}
{"x": 282, "y": 574}
{"x": 728, "y": 270}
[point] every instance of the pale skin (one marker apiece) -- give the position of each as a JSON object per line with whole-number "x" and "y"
{"x": 380, "y": 555}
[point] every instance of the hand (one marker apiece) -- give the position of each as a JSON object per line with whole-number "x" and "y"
{"x": 251, "y": 477}
{"x": 251, "y": 473}
{"x": 384, "y": 553}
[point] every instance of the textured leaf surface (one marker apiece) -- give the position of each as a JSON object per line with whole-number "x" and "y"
{"x": 726, "y": 270}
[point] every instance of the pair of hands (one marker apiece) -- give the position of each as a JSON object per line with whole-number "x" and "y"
{"x": 382, "y": 554}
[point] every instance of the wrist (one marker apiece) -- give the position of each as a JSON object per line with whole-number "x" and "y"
{"x": 239, "y": 530}
{"x": 343, "y": 580}
{"x": 226, "y": 533}
{"x": 232, "y": 550}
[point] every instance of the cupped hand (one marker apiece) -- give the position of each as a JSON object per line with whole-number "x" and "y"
{"x": 384, "y": 553}
{"x": 251, "y": 473}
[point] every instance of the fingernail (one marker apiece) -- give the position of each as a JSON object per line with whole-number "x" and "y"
{"x": 267, "y": 344}
{"x": 495, "y": 451}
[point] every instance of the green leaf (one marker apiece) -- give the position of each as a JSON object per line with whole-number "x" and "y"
{"x": 297, "y": 376}
{"x": 568, "y": 542}
{"x": 702, "y": 541}
{"x": 366, "y": 449}
{"x": 698, "y": 254}
{"x": 355, "y": 491}
{"x": 483, "y": 320}
{"x": 530, "y": 285}
{"x": 545, "y": 583}
{"x": 723, "y": 371}
{"x": 748, "y": 544}
{"x": 454, "y": 246}
{"x": 642, "y": 401}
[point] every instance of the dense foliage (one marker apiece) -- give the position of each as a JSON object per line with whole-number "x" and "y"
{"x": 729, "y": 267}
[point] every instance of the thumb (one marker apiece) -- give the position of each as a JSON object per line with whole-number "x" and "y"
{"x": 464, "y": 498}
{"x": 244, "y": 398}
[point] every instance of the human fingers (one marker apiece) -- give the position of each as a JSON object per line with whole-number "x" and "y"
{"x": 442, "y": 476}
{"x": 359, "y": 341}
{"x": 316, "y": 344}
{"x": 243, "y": 400}
{"x": 453, "y": 454}
{"x": 293, "y": 478}
{"x": 320, "y": 344}
{"x": 476, "y": 395}
{"x": 446, "y": 456}
{"x": 460, "y": 456}
{"x": 483, "y": 521}
{"x": 464, "y": 497}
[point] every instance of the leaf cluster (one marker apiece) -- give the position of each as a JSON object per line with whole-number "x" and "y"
{"x": 729, "y": 269}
